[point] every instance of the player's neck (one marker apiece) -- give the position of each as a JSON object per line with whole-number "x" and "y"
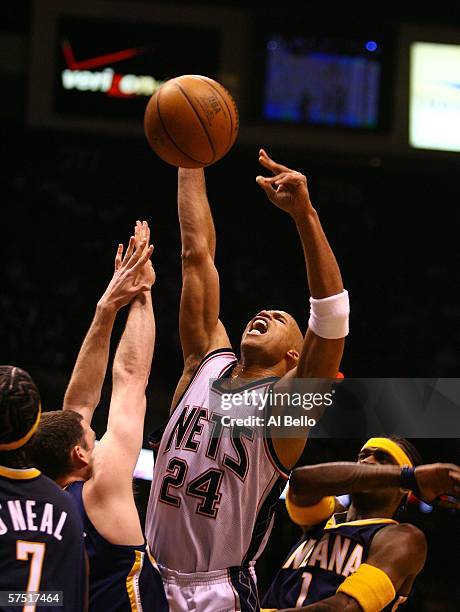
{"x": 356, "y": 514}
{"x": 68, "y": 479}
{"x": 246, "y": 371}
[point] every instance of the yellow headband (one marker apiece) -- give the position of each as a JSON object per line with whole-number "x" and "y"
{"x": 14, "y": 445}
{"x": 391, "y": 448}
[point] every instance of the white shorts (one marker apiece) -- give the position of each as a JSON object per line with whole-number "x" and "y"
{"x": 230, "y": 590}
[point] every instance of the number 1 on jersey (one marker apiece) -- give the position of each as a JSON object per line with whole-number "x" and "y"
{"x": 306, "y": 581}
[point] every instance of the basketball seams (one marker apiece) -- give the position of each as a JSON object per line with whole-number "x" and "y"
{"x": 211, "y": 144}
{"x": 178, "y": 110}
{"x": 227, "y": 107}
{"x": 197, "y": 161}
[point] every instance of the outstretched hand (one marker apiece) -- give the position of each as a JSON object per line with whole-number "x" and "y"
{"x": 147, "y": 272}
{"x": 287, "y": 189}
{"x": 439, "y": 479}
{"x": 132, "y": 274}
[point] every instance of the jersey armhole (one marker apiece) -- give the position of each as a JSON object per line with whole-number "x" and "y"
{"x": 203, "y": 362}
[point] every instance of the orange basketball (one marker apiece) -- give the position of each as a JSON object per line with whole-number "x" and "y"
{"x": 191, "y": 121}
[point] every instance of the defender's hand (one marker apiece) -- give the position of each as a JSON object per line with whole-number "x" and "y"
{"x": 147, "y": 274}
{"x": 439, "y": 479}
{"x": 125, "y": 284}
{"x": 287, "y": 189}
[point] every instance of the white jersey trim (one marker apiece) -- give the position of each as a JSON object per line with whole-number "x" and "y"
{"x": 222, "y": 352}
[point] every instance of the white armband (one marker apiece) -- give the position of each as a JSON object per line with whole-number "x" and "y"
{"x": 329, "y": 316}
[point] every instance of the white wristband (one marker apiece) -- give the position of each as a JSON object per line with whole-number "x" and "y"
{"x": 329, "y": 316}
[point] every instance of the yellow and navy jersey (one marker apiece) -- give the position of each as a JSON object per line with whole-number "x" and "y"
{"x": 319, "y": 563}
{"x": 41, "y": 539}
{"x": 121, "y": 578}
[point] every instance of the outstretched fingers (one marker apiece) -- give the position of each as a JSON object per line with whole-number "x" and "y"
{"x": 129, "y": 251}
{"x": 266, "y": 184}
{"x": 141, "y": 256}
{"x": 145, "y": 231}
{"x": 270, "y": 164}
{"x": 118, "y": 257}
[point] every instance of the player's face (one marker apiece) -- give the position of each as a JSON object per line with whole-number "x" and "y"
{"x": 269, "y": 335}
{"x": 380, "y": 497}
{"x": 375, "y": 456}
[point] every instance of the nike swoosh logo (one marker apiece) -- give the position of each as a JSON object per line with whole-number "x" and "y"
{"x": 100, "y": 60}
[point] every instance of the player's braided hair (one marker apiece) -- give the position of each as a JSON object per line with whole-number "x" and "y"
{"x": 409, "y": 449}
{"x": 19, "y": 403}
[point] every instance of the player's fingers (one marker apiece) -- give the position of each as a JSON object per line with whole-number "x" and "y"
{"x": 273, "y": 180}
{"x": 140, "y": 250}
{"x": 266, "y": 186}
{"x": 145, "y": 231}
{"x": 290, "y": 177}
{"x": 145, "y": 255}
{"x": 270, "y": 164}
{"x": 118, "y": 257}
{"x": 129, "y": 250}
{"x": 138, "y": 231}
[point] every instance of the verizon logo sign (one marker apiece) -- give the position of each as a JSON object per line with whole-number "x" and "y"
{"x": 79, "y": 76}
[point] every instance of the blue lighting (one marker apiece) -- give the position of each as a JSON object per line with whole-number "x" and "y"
{"x": 425, "y": 508}
{"x": 371, "y": 45}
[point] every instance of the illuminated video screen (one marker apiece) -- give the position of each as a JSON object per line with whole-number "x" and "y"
{"x": 434, "y": 106}
{"x": 323, "y": 81}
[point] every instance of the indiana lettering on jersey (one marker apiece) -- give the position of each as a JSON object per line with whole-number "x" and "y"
{"x": 333, "y": 552}
{"x": 23, "y": 515}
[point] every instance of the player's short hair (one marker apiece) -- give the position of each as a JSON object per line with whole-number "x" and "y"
{"x": 19, "y": 404}
{"x": 409, "y": 449}
{"x": 58, "y": 433}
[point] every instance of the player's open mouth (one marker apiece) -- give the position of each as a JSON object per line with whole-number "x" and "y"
{"x": 258, "y": 327}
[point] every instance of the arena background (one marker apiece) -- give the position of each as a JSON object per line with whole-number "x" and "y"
{"x": 70, "y": 196}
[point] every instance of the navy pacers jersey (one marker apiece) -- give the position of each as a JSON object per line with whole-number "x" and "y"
{"x": 41, "y": 539}
{"x": 320, "y": 562}
{"x": 121, "y": 578}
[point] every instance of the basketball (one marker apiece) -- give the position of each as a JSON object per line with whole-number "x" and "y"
{"x": 191, "y": 121}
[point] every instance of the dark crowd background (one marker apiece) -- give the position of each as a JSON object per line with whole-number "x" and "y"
{"x": 69, "y": 198}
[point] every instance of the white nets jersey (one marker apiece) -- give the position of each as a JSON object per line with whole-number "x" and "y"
{"x": 214, "y": 488}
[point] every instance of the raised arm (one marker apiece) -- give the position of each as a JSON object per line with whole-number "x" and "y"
{"x": 109, "y": 491}
{"x": 312, "y": 489}
{"x": 84, "y": 389}
{"x": 322, "y": 349}
{"x": 199, "y": 325}
{"x": 309, "y": 484}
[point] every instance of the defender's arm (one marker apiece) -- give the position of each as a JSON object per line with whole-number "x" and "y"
{"x": 109, "y": 492}
{"x": 311, "y": 488}
{"x": 84, "y": 389}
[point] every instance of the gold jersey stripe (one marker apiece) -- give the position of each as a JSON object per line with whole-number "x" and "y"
{"x": 22, "y": 474}
{"x": 372, "y": 521}
{"x": 131, "y": 580}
